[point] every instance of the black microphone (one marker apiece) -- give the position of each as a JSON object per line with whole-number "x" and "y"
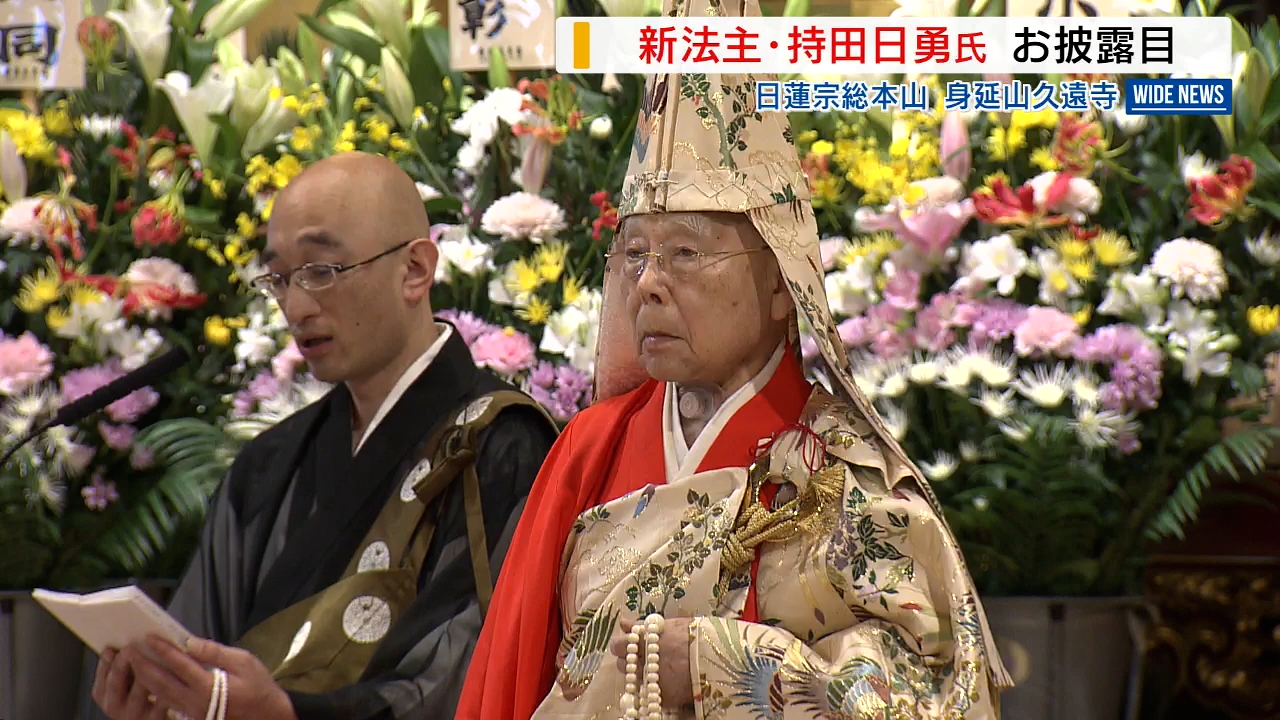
{"x": 77, "y": 410}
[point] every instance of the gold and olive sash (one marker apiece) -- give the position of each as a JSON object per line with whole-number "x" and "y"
{"x": 326, "y": 641}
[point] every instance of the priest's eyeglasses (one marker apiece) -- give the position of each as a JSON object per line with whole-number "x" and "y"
{"x": 312, "y": 276}
{"x": 676, "y": 263}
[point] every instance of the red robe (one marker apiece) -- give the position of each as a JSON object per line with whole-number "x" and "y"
{"x": 605, "y": 452}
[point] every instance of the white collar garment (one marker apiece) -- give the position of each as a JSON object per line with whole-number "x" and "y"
{"x": 683, "y": 460}
{"x": 411, "y": 374}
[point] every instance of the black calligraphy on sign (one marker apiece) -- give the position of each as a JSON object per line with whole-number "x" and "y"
{"x": 487, "y": 15}
{"x": 25, "y": 44}
{"x": 1082, "y": 7}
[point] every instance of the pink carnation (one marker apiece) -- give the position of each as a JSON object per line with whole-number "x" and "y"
{"x": 1046, "y": 330}
{"x": 24, "y": 361}
{"x": 506, "y": 351}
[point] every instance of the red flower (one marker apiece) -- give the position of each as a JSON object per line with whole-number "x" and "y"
{"x": 136, "y": 295}
{"x": 1005, "y": 206}
{"x": 608, "y": 218}
{"x": 1221, "y": 196}
{"x": 158, "y": 222}
{"x": 1076, "y": 144}
{"x": 65, "y": 217}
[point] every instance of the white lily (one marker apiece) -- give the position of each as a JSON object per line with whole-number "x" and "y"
{"x": 146, "y": 25}
{"x": 274, "y": 120}
{"x": 211, "y": 96}
{"x": 13, "y": 169}
{"x": 228, "y": 16}
{"x": 388, "y": 18}
{"x": 395, "y": 83}
{"x": 253, "y": 85}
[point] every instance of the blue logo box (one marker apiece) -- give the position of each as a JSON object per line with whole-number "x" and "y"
{"x": 1184, "y": 96}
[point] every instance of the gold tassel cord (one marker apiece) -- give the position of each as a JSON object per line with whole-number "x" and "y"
{"x": 757, "y": 524}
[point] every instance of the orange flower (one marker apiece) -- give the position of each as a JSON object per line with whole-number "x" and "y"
{"x": 1223, "y": 195}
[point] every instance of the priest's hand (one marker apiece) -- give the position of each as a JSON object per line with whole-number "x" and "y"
{"x": 674, "y": 677}
{"x": 117, "y": 693}
{"x": 179, "y": 680}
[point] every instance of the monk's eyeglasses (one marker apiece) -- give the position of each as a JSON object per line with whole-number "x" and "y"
{"x": 312, "y": 276}
{"x": 676, "y": 263}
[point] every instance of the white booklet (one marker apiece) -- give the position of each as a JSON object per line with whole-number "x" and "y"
{"x": 112, "y": 618}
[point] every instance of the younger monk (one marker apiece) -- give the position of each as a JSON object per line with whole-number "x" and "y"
{"x": 348, "y": 556}
{"x": 727, "y": 540}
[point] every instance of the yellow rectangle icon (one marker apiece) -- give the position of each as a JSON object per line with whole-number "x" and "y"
{"x": 581, "y": 45}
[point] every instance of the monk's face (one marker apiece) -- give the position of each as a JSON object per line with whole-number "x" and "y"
{"x": 713, "y": 309}
{"x": 360, "y": 323}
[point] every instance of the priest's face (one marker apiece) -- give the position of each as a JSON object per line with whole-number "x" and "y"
{"x": 355, "y": 285}
{"x": 706, "y": 299}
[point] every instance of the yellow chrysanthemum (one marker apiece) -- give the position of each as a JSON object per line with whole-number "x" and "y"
{"x": 361, "y": 104}
{"x": 877, "y": 245}
{"x": 1044, "y": 160}
{"x": 28, "y": 134}
{"x": 39, "y": 290}
{"x": 1027, "y": 119}
{"x": 1083, "y": 315}
{"x": 57, "y": 120}
{"x": 216, "y": 331}
{"x": 56, "y": 318}
{"x": 807, "y": 136}
{"x": 536, "y": 313}
{"x": 258, "y": 171}
{"x": 245, "y": 226}
{"x": 346, "y": 138}
{"x": 549, "y": 260}
{"x": 570, "y": 291}
{"x": 399, "y": 144}
{"x": 285, "y": 169}
{"x": 1072, "y": 248}
{"x": 1112, "y": 249}
{"x": 524, "y": 278}
{"x": 1081, "y": 269}
{"x": 1264, "y": 320}
{"x": 81, "y": 294}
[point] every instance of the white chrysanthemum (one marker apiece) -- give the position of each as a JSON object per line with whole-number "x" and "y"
{"x": 980, "y": 503}
{"x": 1015, "y": 430}
{"x": 426, "y": 192}
{"x": 1193, "y": 268}
{"x": 997, "y": 405}
{"x": 866, "y": 370}
{"x": 522, "y": 215}
{"x": 1043, "y": 386}
{"x": 969, "y": 452}
{"x": 994, "y": 366}
{"x": 895, "y": 420}
{"x": 100, "y": 126}
{"x": 1195, "y": 166}
{"x": 1265, "y": 249}
{"x": 1084, "y": 388}
{"x": 480, "y": 121}
{"x": 895, "y": 381}
{"x": 958, "y": 372}
{"x": 1100, "y": 428}
{"x": 927, "y": 370}
{"x": 21, "y": 413}
{"x": 943, "y": 466}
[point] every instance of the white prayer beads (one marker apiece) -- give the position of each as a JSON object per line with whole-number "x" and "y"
{"x": 218, "y": 698}
{"x": 642, "y": 696}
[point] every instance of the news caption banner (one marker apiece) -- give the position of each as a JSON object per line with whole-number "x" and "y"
{"x": 1195, "y": 47}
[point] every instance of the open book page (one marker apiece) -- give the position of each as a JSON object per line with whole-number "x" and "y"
{"x": 112, "y": 618}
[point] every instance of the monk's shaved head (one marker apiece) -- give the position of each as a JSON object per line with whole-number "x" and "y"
{"x": 371, "y": 187}
{"x": 351, "y": 235}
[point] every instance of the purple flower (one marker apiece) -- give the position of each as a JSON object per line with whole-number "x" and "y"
{"x": 265, "y": 386}
{"x": 932, "y": 332}
{"x": 141, "y": 458}
{"x": 117, "y": 437}
{"x": 997, "y": 319}
{"x": 1135, "y": 363}
{"x": 854, "y": 332}
{"x": 562, "y": 389}
{"x": 242, "y": 404}
{"x": 98, "y": 494}
{"x": 78, "y": 383}
{"x": 470, "y": 327}
{"x": 808, "y": 346}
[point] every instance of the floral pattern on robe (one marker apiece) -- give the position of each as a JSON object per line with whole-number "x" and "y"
{"x": 870, "y": 614}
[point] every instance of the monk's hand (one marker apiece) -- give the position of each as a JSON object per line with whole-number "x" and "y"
{"x": 116, "y": 692}
{"x": 674, "y": 677}
{"x": 181, "y": 681}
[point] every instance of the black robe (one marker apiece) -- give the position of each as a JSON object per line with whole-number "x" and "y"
{"x": 300, "y": 474}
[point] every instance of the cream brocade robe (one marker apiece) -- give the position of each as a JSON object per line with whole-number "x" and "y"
{"x": 870, "y": 616}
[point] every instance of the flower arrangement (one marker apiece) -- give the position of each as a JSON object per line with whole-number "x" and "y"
{"x": 1057, "y": 314}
